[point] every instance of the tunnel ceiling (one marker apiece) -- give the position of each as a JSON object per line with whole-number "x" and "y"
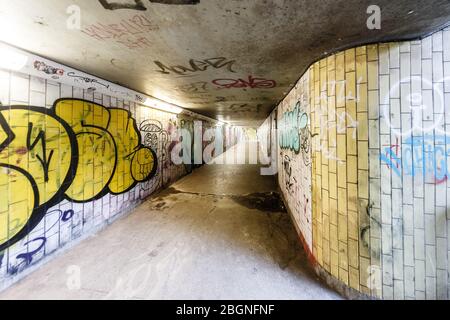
{"x": 231, "y": 60}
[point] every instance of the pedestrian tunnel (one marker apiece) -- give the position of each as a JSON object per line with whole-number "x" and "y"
{"x": 212, "y": 150}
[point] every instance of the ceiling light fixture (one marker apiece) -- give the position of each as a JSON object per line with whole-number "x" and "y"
{"x": 11, "y": 59}
{"x": 161, "y": 105}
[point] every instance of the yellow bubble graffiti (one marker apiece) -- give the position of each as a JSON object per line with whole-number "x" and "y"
{"x": 78, "y": 150}
{"x": 96, "y": 150}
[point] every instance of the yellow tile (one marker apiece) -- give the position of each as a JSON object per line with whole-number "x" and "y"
{"x": 343, "y": 275}
{"x": 352, "y": 197}
{"x": 333, "y": 212}
{"x": 340, "y": 66}
{"x": 351, "y": 116}
{"x": 350, "y": 60}
{"x": 331, "y": 111}
{"x": 353, "y": 278}
{"x": 362, "y": 131}
{"x": 361, "y": 69}
{"x": 332, "y": 133}
{"x": 331, "y": 83}
{"x": 323, "y": 79}
{"x": 332, "y": 181}
{"x": 353, "y": 228}
{"x": 363, "y": 184}
{"x": 340, "y": 94}
{"x": 331, "y": 62}
{"x": 334, "y": 257}
{"x": 332, "y": 165}
{"x": 372, "y": 52}
{"x": 342, "y": 174}
{"x": 364, "y": 271}
{"x": 326, "y": 255}
{"x": 343, "y": 255}
{"x": 325, "y": 177}
{"x": 350, "y": 86}
{"x": 352, "y": 169}
{"x": 363, "y": 155}
{"x": 365, "y": 290}
{"x": 326, "y": 223}
{"x": 372, "y": 73}
{"x": 360, "y": 50}
{"x": 341, "y": 147}
{"x": 316, "y": 67}
{"x": 352, "y": 143}
{"x": 334, "y": 238}
{"x": 361, "y": 97}
{"x": 342, "y": 227}
{"x": 342, "y": 201}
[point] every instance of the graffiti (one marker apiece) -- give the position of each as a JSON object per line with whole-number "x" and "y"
{"x": 290, "y": 179}
{"x": 395, "y": 149}
{"x": 289, "y": 124}
{"x": 25, "y": 259}
{"x": 78, "y": 150}
{"x": 244, "y": 108}
{"x": 253, "y": 83}
{"x": 327, "y": 153}
{"x": 196, "y": 66}
{"x": 153, "y": 132}
{"x": 342, "y": 95}
{"x": 344, "y": 120}
{"x": 42, "y": 66}
{"x": 365, "y": 210}
{"x": 139, "y": 5}
{"x": 425, "y": 155}
{"x": 86, "y": 79}
{"x": 195, "y": 87}
{"x": 128, "y": 32}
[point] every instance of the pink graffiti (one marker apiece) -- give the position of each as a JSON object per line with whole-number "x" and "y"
{"x": 129, "y": 32}
{"x": 253, "y": 83}
{"x": 396, "y": 148}
{"x": 440, "y": 181}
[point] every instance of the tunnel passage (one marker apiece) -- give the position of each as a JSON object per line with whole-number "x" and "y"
{"x": 358, "y": 143}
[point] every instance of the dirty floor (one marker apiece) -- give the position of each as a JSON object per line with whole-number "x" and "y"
{"x": 219, "y": 233}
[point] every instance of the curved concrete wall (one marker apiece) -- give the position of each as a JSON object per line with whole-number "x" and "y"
{"x": 363, "y": 165}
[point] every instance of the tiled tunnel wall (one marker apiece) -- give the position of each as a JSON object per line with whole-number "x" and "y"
{"x": 363, "y": 165}
{"x": 72, "y": 161}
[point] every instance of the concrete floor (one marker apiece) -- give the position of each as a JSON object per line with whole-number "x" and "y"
{"x": 218, "y": 233}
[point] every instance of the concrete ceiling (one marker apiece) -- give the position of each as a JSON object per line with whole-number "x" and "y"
{"x": 232, "y": 60}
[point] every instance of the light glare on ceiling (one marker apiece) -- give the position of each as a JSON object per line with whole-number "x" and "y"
{"x": 161, "y": 105}
{"x": 12, "y": 60}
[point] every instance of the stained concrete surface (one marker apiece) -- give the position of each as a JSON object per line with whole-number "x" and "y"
{"x": 219, "y": 233}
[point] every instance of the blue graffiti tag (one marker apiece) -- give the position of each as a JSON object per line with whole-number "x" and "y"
{"x": 289, "y": 128}
{"x": 419, "y": 155}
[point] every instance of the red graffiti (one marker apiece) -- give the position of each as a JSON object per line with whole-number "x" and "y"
{"x": 396, "y": 149}
{"x": 440, "y": 181}
{"x": 129, "y": 32}
{"x": 253, "y": 83}
{"x": 21, "y": 151}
